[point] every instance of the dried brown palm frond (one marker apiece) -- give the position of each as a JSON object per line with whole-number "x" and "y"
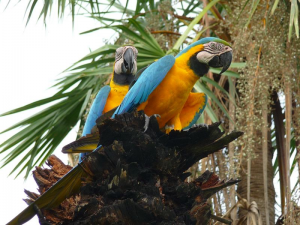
{"x": 250, "y": 213}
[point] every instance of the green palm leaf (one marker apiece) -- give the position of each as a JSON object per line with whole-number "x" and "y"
{"x": 41, "y": 133}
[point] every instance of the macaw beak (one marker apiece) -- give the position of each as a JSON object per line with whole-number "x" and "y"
{"x": 223, "y": 60}
{"x": 128, "y": 61}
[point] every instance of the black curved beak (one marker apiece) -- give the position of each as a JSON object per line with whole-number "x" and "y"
{"x": 223, "y": 60}
{"x": 128, "y": 61}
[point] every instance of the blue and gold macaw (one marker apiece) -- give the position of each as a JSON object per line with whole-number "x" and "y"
{"x": 164, "y": 89}
{"x": 108, "y": 98}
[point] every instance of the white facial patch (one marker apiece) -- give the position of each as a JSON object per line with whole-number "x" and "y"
{"x": 204, "y": 57}
{"x": 119, "y": 60}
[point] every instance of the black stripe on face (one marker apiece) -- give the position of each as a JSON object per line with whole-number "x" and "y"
{"x": 200, "y": 69}
{"x": 118, "y": 57}
{"x": 123, "y": 79}
{"x": 119, "y": 53}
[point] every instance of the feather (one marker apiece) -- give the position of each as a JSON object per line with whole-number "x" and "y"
{"x": 147, "y": 82}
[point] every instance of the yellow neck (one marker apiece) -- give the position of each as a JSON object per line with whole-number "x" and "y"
{"x": 114, "y": 85}
{"x": 182, "y": 61}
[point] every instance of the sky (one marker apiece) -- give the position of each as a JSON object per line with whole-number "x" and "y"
{"x": 31, "y": 58}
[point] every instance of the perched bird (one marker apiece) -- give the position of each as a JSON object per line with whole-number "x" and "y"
{"x": 108, "y": 98}
{"x": 164, "y": 87}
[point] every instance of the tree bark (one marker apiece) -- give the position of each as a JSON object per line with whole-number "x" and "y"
{"x": 138, "y": 177}
{"x": 256, "y": 184}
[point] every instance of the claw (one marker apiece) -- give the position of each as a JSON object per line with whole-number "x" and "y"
{"x": 147, "y": 120}
{"x": 202, "y": 125}
{"x": 197, "y": 125}
{"x": 169, "y": 128}
{"x": 156, "y": 115}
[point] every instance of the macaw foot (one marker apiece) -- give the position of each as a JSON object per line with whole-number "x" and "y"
{"x": 197, "y": 125}
{"x": 40, "y": 215}
{"x": 147, "y": 121}
{"x": 200, "y": 125}
{"x": 168, "y": 129}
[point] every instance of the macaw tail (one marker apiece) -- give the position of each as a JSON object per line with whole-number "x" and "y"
{"x": 84, "y": 144}
{"x": 88, "y": 143}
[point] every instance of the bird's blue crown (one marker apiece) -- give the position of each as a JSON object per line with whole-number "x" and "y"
{"x": 202, "y": 41}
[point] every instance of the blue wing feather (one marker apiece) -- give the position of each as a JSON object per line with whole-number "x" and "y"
{"x": 145, "y": 85}
{"x": 95, "y": 111}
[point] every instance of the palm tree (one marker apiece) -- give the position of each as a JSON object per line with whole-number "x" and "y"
{"x": 264, "y": 36}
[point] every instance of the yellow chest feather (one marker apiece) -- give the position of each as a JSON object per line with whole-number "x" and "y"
{"x": 116, "y": 95}
{"x": 169, "y": 97}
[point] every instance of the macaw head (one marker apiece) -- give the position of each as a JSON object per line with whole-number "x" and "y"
{"x": 126, "y": 60}
{"x": 207, "y": 52}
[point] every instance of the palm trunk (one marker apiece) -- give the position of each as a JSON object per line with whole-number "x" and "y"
{"x": 256, "y": 184}
{"x": 139, "y": 177}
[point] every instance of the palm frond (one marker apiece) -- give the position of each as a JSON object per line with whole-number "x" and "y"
{"x": 47, "y": 7}
{"x": 41, "y": 133}
{"x": 294, "y": 14}
{"x": 193, "y": 23}
{"x": 44, "y": 131}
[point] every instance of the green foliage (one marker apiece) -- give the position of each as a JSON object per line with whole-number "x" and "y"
{"x": 193, "y": 23}
{"x": 294, "y": 14}
{"x": 43, "y": 132}
{"x": 157, "y": 28}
